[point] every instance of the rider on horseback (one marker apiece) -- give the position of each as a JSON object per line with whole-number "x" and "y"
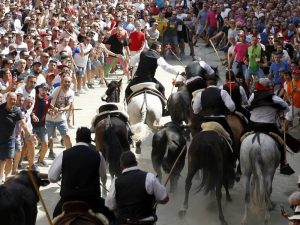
{"x": 237, "y": 93}
{"x": 213, "y": 103}
{"x": 147, "y": 65}
{"x": 195, "y": 74}
{"x": 265, "y": 108}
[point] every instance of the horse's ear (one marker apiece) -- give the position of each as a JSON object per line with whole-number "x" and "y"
{"x": 120, "y": 82}
{"x": 106, "y": 82}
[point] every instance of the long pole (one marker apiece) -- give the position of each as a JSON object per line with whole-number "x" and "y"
{"x": 40, "y": 197}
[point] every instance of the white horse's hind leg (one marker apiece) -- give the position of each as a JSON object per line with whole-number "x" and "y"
{"x": 267, "y": 217}
{"x": 247, "y": 199}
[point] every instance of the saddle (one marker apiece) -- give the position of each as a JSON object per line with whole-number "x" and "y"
{"x": 218, "y": 128}
{"x": 149, "y": 88}
{"x": 195, "y": 93}
{"x": 241, "y": 116}
{"x": 109, "y": 109}
{"x": 79, "y": 211}
{"x": 273, "y": 135}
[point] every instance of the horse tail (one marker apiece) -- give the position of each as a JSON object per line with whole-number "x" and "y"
{"x": 112, "y": 148}
{"x": 258, "y": 193}
{"x": 208, "y": 155}
{"x": 159, "y": 148}
{"x": 141, "y": 129}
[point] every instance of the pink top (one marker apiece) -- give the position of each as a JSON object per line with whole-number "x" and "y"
{"x": 240, "y": 51}
{"x": 212, "y": 19}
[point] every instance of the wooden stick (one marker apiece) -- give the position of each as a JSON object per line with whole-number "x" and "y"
{"x": 40, "y": 196}
{"x": 212, "y": 44}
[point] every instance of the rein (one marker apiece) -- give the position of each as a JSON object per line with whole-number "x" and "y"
{"x": 40, "y": 196}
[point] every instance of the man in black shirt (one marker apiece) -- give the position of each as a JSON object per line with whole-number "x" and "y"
{"x": 117, "y": 43}
{"x": 9, "y": 116}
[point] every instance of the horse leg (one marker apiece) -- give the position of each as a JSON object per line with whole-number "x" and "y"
{"x": 138, "y": 148}
{"x": 268, "y": 185}
{"x": 228, "y": 197}
{"x": 247, "y": 199}
{"x": 219, "y": 202}
{"x": 188, "y": 185}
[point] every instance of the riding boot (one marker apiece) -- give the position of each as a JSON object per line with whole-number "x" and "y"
{"x": 284, "y": 166}
{"x": 130, "y": 134}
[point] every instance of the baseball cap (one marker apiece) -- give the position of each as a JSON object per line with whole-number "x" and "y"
{"x": 43, "y": 85}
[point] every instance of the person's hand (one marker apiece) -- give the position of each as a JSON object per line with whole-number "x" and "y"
{"x": 119, "y": 56}
{"x": 35, "y": 119}
{"x": 32, "y": 138}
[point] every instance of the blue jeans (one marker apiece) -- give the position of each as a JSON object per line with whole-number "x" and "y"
{"x": 41, "y": 133}
{"x": 236, "y": 68}
{"x": 259, "y": 73}
{"x": 62, "y": 127}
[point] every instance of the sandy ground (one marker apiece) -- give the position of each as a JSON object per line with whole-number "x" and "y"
{"x": 202, "y": 209}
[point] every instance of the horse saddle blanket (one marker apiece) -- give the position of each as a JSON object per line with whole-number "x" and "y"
{"x": 74, "y": 210}
{"x": 149, "y": 88}
{"x": 273, "y": 135}
{"x": 195, "y": 93}
{"x": 218, "y": 128}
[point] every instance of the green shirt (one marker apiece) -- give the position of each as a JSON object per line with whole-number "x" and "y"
{"x": 254, "y": 55}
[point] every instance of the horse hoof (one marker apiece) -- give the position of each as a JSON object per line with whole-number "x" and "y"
{"x": 182, "y": 213}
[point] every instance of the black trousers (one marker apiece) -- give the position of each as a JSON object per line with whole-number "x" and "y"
{"x": 138, "y": 80}
{"x": 96, "y": 204}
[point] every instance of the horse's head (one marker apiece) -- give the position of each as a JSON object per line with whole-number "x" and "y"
{"x": 216, "y": 70}
{"x": 113, "y": 91}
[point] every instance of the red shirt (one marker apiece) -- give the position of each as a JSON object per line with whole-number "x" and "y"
{"x": 212, "y": 19}
{"x": 137, "y": 40}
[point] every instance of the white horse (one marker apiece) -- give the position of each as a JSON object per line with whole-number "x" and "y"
{"x": 259, "y": 158}
{"x": 145, "y": 111}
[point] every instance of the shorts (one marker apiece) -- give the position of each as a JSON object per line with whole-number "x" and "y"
{"x": 62, "y": 127}
{"x": 80, "y": 71}
{"x": 7, "y": 149}
{"x": 200, "y": 28}
{"x": 289, "y": 115}
{"x": 18, "y": 144}
{"x": 89, "y": 64}
{"x": 95, "y": 64}
{"x": 173, "y": 40}
{"x": 259, "y": 73}
{"x": 41, "y": 133}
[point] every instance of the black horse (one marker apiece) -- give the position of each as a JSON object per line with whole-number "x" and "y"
{"x": 113, "y": 91}
{"x": 209, "y": 153}
{"x": 167, "y": 144}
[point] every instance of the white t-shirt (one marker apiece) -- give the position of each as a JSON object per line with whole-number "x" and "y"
{"x": 22, "y": 90}
{"x": 82, "y": 60}
{"x": 62, "y": 100}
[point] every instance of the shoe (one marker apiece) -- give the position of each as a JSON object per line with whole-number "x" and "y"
{"x": 76, "y": 93}
{"x": 90, "y": 86}
{"x": 70, "y": 126}
{"x": 85, "y": 88}
{"x": 51, "y": 155}
{"x": 81, "y": 92}
{"x": 62, "y": 142}
{"x": 207, "y": 45}
{"x": 286, "y": 169}
{"x": 42, "y": 163}
{"x": 34, "y": 168}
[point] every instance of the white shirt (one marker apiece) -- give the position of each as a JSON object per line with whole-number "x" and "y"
{"x": 81, "y": 61}
{"x": 267, "y": 114}
{"x": 197, "y": 107}
{"x": 243, "y": 95}
{"x": 55, "y": 171}
{"x": 152, "y": 185}
{"x": 160, "y": 62}
{"x": 207, "y": 67}
{"x": 22, "y": 90}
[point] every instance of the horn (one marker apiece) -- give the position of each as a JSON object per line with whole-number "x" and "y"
{"x": 106, "y": 82}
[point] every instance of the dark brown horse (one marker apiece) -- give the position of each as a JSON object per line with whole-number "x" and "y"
{"x": 113, "y": 91}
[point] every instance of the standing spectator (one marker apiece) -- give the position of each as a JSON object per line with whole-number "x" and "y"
{"x": 239, "y": 54}
{"x": 152, "y": 34}
{"x": 211, "y": 25}
{"x": 200, "y": 22}
{"x": 62, "y": 102}
{"x": 134, "y": 203}
{"x": 253, "y": 59}
{"x": 38, "y": 116}
{"x": 136, "y": 40}
{"x": 81, "y": 55}
{"x": 9, "y": 116}
{"x": 276, "y": 65}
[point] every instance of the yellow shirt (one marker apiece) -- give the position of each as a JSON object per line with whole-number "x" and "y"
{"x": 162, "y": 24}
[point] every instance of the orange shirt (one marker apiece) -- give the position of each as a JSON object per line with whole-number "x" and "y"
{"x": 294, "y": 95}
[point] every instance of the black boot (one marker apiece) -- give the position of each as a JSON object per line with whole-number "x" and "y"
{"x": 51, "y": 154}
